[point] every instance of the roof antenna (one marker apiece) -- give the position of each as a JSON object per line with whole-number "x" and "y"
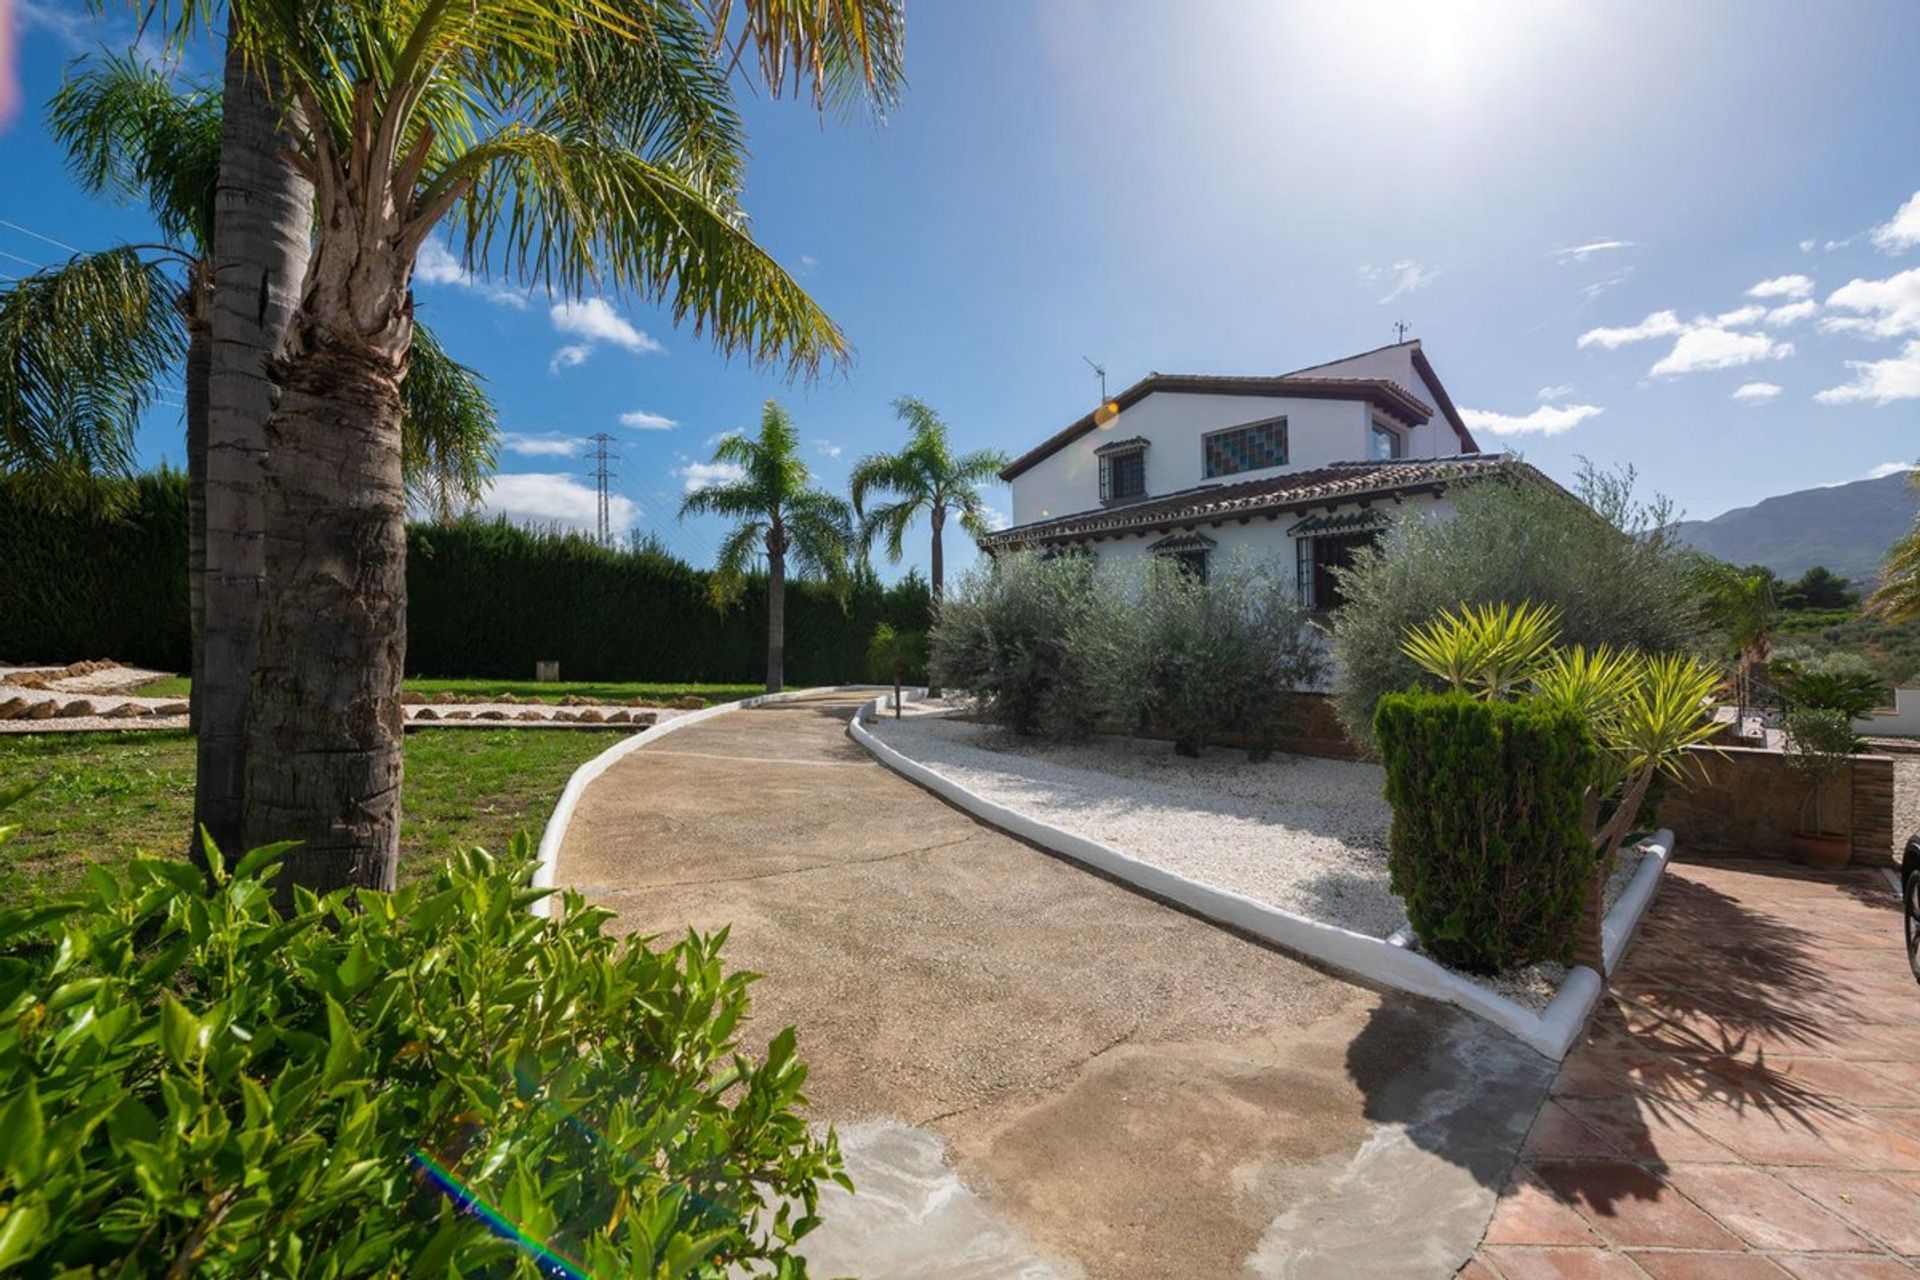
{"x": 1400, "y": 328}
{"x": 1103, "y": 378}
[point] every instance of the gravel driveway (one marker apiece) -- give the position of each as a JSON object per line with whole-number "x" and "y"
{"x": 1906, "y": 798}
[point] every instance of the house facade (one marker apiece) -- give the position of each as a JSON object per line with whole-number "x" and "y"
{"x": 1298, "y": 470}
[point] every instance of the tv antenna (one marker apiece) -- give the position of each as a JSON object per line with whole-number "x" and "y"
{"x": 601, "y": 474}
{"x": 1400, "y": 328}
{"x": 1103, "y": 378}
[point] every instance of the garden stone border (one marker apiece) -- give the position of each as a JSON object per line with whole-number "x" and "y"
{"x": 1377, "y": 960}
{"x": 555, "y": 833}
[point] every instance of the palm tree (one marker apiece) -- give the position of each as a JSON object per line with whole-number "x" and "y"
{"x": 86, "y": 346}
{"x": 923, "y": 477}
{"x": 1898, "y": 596}
{"x": 590, "y": 144}
{"x": 1740, "y": 603}
{"x": 780, "y": 514}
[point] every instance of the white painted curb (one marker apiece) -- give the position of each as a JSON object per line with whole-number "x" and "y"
{"x": 1551, "y": 1032}
{"x": 556, "y": 832}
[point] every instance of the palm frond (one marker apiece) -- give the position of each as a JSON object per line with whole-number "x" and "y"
{"x": 845, "y": 51}
{"x": 1898, "y": 596}
{"x": 738, "y": 550}
{"x": 450, "y": 438}
{"x": 131, "y": 135}
{"x": 84, "y": 350}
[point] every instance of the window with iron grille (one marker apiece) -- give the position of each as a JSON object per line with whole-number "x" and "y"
{"x": 1248, "y": 448}
{"x": 1123, "y": 476}
{"x": 1316, "y": 559}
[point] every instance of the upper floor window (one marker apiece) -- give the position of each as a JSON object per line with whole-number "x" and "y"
{"x": 1249, "y": 448}
{"x": 1123, "y": 470}
{"x": 1387, "y": 443}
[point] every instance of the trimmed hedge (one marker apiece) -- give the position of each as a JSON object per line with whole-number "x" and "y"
{"x": 1488, "y": 847}
{"x": 105, "y": 580}
{"x": 485, "y": 599}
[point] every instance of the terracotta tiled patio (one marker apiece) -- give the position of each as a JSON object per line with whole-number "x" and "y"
{"x": 1747, "y": 1101}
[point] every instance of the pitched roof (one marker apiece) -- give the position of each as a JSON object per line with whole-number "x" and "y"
{"x": 1389, "y": 397}
{"x": 1421, "y": 366}
{"x": 1329, "y": 486}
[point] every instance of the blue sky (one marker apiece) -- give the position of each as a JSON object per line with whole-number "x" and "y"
{"x": 1685, "y": 237}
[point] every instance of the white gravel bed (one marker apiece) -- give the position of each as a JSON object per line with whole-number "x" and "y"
{"x": 1303, "y": 834}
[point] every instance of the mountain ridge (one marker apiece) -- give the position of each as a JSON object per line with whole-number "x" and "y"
{"x": 1846, "y": 527}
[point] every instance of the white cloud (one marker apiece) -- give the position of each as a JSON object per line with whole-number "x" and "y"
{"x": 594, "y": 321}
{"x": 1581, "y": 252}
{"x": 807, "y": 263}
{"x": 1592, "y": 290}
{"x": 1741, "y": 317}
{"x": 1711, "y": 347}
{"x": 1886, "y": 469}
{"x": 1560, "y": 392}
{"x": 1793, "y": 312}
{"x": 547, "y": 446}
{"x": 828, "y": 448}
{"x": 698, "y": 475}
{"x": 641, "y": 420}
{"x": 1404, "y": 276}
{"x": 718, "y": 436}
{"x": 1795, "y": 286}
{"x": 534, "y": 497}
{"x": 569, "y": 356}
{"x": 1547, "y": 420}
{"x": 1756, "y": 392}
{"x": 435, "y": 264}
{"x": 1902, "y": 231}
{"x": 1661, "y": 324}
{"x": 1888, "y": 308}
{"x": 995, "y": 517}
{"x": 1881, "y": 381}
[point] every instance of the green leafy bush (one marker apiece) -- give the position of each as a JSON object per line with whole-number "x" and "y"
{"x": 1819, "y": 746}
{"x": 1203, "y": 660}
{"x": 1618, "y": 580}
{"x": 1493, "y": 875}
{"x": 1854, "y": 694}
{"x": 437, "y": 1084}
{"x": 1013, "y": 635}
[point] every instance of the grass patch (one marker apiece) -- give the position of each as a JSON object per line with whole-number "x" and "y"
{"x": 482, "y": 689}
{"x": 103, "y": 798}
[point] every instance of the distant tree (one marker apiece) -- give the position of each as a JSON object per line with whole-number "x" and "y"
{"x": 1741, "y": 606}
{"x": 925, "y": 476}
{"x": 895, "y": 656}
{"x": 1818, "y": 588}
{"x": 779, "y": 513}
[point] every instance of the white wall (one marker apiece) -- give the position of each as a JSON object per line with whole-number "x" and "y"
{"x": 1902, "y": 722}
{"x": 1318, "y": 432}
{"x": 1434, "y": 440}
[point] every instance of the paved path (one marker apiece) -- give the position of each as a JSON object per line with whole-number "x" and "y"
{"x": 1036, "y": 1072}
{"x": 1748, "y": 1102}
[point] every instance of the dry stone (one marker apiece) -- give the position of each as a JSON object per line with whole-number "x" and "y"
{"x": 411, "y": 699}
{"x": 445, "y": 697}
{"x": 530, "y": 715}
{"x": 125, "y": 711}
{"x": 12, "y": 708}
{"x": 459, "y": 715}
{"x": 426, "y": 713}
{"x": 691, "y": 703}
{"x": 507, "y": 698}
{"x": 491, "y": 713}
{"x": 171, "y": 709}
{"x": 41, "y": 710}
{"x": 589, "y": 715}
{"x": 645, "y": 717}
{"x": 75, "y": 709}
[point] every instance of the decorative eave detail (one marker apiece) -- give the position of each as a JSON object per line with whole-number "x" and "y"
{"x": 1330, "y": 487}
{"x": 1175, "y": 543}
{"x": 1132, "y": 444}
{"x": 1327, "y": 524}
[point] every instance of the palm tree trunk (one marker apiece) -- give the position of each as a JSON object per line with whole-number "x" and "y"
{"x": 199, "y": 362}
{"x": 263, "y": 217}
{"x": 323, "y": 762}
{"x": 939, "y": 567}
{"x": 776, "y": 611}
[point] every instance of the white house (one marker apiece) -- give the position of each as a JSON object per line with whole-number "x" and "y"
{"x": 1300, "y": 468}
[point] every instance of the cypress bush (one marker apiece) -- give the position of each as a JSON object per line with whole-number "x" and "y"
{"x": 103, "y": 578}
{"x": 1488, "y": 846}
{"x": 485, "y": 599}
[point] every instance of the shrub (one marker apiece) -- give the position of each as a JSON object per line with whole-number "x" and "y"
{"x": 1487, "y": 848}
{"x": 1017, "y": 636}
{"x": 1819, "y": 745}
{"x": 1616, "y": 580}
{"x": 1202, "y": 660}
{"x": 438, "y": 1083}
{"x": 1854, "y": 694}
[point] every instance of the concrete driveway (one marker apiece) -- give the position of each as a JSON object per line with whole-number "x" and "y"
{"x": 1037, "y": 1072}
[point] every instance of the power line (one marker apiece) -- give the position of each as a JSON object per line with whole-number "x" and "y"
{"x": 29, "y": 231}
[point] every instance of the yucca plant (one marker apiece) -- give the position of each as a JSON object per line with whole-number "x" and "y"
{"x": 1487, "y": 650}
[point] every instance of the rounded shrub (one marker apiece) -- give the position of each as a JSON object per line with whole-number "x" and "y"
{"x": 437, "y": 1083}
{"x": 1488, "y": 846}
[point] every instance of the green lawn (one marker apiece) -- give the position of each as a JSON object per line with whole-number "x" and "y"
{"x": 611, "y": 691}
{"x": 106, "y": 797}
